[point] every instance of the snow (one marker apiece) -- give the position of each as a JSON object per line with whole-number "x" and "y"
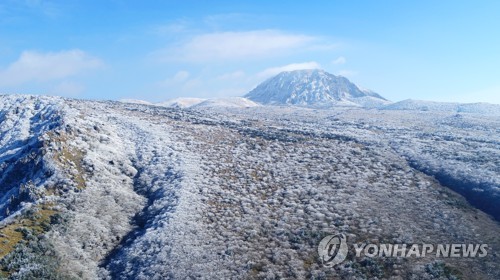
{"x": 136, "y": 101}
{"x": 152, "y": 192}
{"x": 182, "y": 102}
{"x": 420, "y": 105}
{"x": 313, "y": 88}
{"x": 235, "y": 102}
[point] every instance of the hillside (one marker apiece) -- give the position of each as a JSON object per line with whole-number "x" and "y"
{"x": 112, "y": 190}
{"x": 450, "y": 107}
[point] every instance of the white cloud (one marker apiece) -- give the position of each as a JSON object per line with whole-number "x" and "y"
{"x": 339, "y": 60}
{"x": 269, "y": 72}
{"x": 235, "y": 45}
{"x": 42, "y": 67}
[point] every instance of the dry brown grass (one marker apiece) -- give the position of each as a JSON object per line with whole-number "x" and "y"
{"x": 69, "y": 156}
{"x": 10, "y": 235}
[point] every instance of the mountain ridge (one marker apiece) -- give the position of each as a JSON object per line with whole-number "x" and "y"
{"x": 450, "y": 107}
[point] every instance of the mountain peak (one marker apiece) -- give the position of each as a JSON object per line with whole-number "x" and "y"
{"x": 315, "y": 88}
{"x": 306, "y": 71}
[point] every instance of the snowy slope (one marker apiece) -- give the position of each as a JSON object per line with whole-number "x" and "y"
{"x": 181, "y": 102}
{"x": 236, "y": 102}
{"x": 136, "y": 101}
{"x": 313, "y": 88}
{"x": 420, "y": 105}
{"x": 111, "y": 190}
{"x": 24, "y": 121}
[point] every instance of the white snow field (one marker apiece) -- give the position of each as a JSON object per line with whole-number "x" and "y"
{"x": 113, "y": 190}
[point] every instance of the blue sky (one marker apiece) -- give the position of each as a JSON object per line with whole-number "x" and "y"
{"x": 157, "y": 50}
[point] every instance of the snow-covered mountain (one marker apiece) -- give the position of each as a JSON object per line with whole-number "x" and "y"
{"x": 235, "y": 102}
{"x": 187, "y": 102}
{"x": 181, "y": 102}
{"x": 313, "y": 88}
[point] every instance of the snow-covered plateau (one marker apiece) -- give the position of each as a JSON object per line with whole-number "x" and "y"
{"x": 116, "y": 190}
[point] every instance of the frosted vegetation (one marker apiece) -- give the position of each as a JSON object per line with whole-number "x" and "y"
{"x": 109, "y": 190}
